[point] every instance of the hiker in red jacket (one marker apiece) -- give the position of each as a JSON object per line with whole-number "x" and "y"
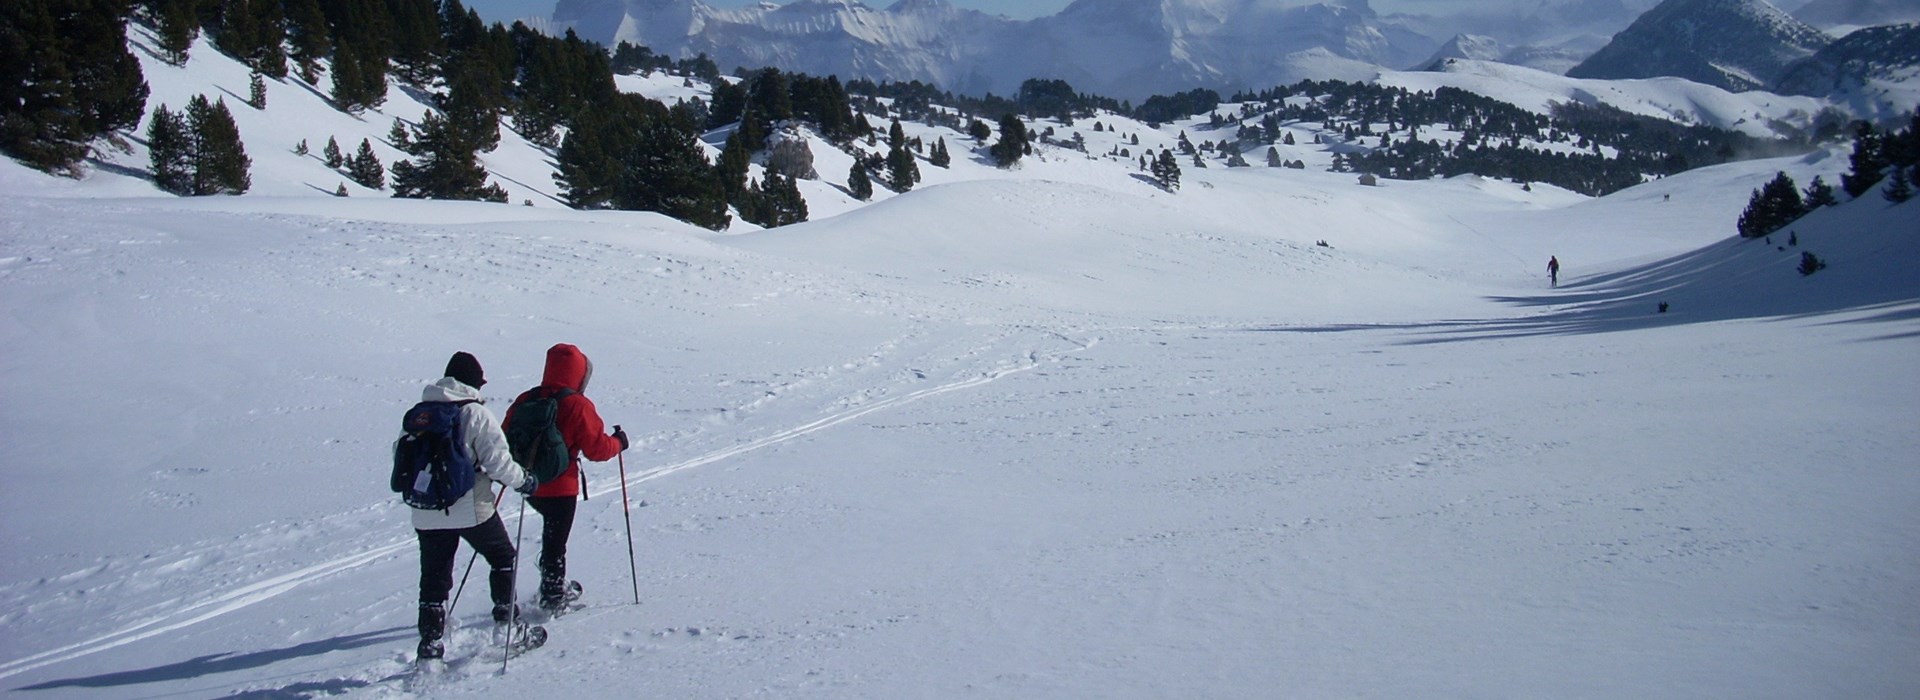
{"x": 568, "y": 369}
{"x": 1553, "y": 270}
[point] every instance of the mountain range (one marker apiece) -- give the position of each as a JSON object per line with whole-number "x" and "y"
{"x": 1131, "y": 49}
{"x": 1121, "y": 48}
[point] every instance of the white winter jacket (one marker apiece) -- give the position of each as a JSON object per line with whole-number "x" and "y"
{"x": 488, "y": 445}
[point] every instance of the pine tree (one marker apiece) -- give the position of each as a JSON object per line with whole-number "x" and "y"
{"x": 220, "y": 162}
{"x": 1013, "y": 141}
{"x": 365, "y": 168}
{"x": 257, "y": 92}
{"x": 348, "y": 84}
{"x": 238, "y": 34}
{"x": 178, "y": 27}
{"x": 67, "y": 79}
{"x": 170, "y": 150}
{"x": 270, "y": 25}
{"x": 731, "y": 171}
{"x": 446, "y": 165}
{"x": 1868, "y": 162}
{"x": 903, "y": 172}
{"x": 1820, "y": 194}
{"x": 1166, "y": 171}
{"x": 941, "y": 158}
{"x": 300, "y": 149}
{"x": 629, "y": 152}
{"x": 308, "y": 35}
{"x": 400, "y": 138}
{"x": 332, "y": 155}
{"x": 418, "y": 47}
{"x": 1771, "y": 208}
{"x": 858, "y": 184}
{"x": 1899, "y": 187}
{"x": 979, "y": 131}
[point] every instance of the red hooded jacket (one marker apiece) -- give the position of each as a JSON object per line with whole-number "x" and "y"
{"x": 579, "y": 422}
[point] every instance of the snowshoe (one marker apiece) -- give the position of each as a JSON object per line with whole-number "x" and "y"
{"x": 565, "y": 600}
{"x": 519, "y": 637}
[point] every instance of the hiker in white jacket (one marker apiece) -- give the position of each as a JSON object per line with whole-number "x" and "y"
{"x": 472, "y": 518}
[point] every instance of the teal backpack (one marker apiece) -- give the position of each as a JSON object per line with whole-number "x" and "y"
{"x": 533, "y": 434}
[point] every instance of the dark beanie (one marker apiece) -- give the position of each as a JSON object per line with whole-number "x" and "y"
{"x": 466, "y": 368}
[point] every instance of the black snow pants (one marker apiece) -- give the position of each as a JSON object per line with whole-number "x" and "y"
{"x": 556, "y": 514}
{"x": 439, "y": 547}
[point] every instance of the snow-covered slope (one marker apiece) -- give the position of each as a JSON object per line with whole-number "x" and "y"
{"x": 1735, "y": 44}
{"x": 1047, "y": 431}
{"x": 1874, "y": 72}
{"x": 1015, "y": 436}
{"x": 1675, "y": 99}
{"x": 1845, "y": 15}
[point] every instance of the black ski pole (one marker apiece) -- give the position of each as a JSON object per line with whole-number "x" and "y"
{"x": 513, "y": 614}
{"x": 632, "y": 569}
{"x": 473, "y": 556}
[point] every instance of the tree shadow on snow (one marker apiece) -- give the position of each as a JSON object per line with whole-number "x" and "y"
{"x": 228, "y": 662}
{"x": 1731, "y": 280}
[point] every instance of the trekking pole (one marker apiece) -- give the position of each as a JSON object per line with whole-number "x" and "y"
{"x": 513, "y": 616}
{"x": 471, "y": 557}
{"x": 632, "y": 569}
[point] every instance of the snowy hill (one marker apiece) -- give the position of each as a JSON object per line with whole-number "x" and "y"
{"x": 1875, "y": 72}
{"x": 1674, "y": 99}
{"x": 1046, "y": 431}
{"x": 1734, "y": 44}
{"x": 988, "y": 435}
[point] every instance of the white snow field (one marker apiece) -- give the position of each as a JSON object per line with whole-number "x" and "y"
{"x": 1047, "y": 432}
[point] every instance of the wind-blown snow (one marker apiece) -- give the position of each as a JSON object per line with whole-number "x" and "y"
{"x": 1040, "y": 432}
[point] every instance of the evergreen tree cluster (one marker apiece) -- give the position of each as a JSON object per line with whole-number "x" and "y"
{"x": 1772, "y": 207}
{"x": 67, "y": 80}
{"x": 1160, "y": 109}
{"x": 629, "y": 59}
{"x": 1604, "y": 149}
{"x": 198, "y": 152}
{"x": 632, "y": 153}
{"x": 1893, "y": 155}
{"x": 1013, "y": 141}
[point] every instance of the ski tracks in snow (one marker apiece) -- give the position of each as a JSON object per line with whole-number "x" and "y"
{"x": 191, "y": 612}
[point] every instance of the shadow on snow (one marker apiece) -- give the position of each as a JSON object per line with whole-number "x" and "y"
{"x": 228, "y": 662}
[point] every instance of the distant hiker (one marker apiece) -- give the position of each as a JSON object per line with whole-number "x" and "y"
{"x": 1553, "y": 270}
{"x": 562, "y": 396}
{"x": 479, "y": 448}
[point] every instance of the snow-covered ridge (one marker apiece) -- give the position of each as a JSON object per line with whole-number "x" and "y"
{"x": 1673, "y": 99}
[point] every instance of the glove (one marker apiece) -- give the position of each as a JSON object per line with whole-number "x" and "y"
{"x": 527, "y": 486}
{"x": 620, "y": 435}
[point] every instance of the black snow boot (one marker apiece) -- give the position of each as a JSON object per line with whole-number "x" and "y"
{"x": 433, "y": 626}
{"x": 505, "y": 612}
{"x": 553, "y": 590}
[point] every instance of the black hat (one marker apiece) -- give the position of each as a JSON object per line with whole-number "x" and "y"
{"x": 466, "y": 368}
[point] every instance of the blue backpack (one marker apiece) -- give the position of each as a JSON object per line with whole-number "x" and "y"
{"x": 430, "y": 470}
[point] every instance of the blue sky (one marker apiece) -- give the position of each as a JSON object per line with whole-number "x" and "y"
{"x": 509, "y": 10}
